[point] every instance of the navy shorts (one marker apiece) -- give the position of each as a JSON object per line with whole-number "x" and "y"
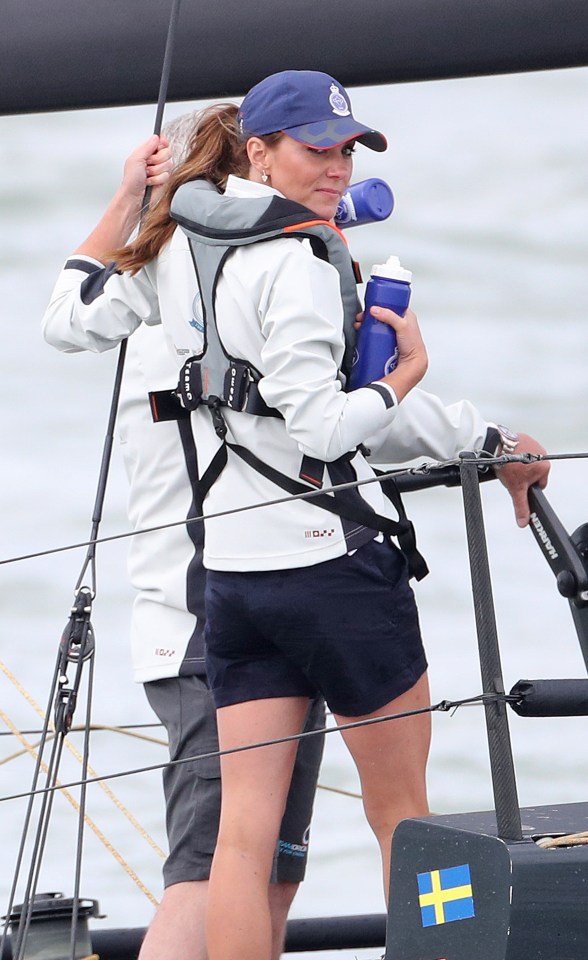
{"x": 347, "y": 628}
{"x": 193, "y": 790}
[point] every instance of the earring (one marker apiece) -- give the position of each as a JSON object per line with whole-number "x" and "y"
{"x": 264, "y": 176}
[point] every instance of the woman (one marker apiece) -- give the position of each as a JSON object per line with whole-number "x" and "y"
{"x": 299, "y": 600}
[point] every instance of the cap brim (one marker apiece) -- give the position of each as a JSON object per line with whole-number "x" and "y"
{"x": 325, "y": 134}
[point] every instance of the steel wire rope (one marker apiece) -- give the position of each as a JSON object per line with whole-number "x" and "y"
{"x": 442, "y": 706}
{"x": 414, "y": 472}
{"x": 423, "y": 470}
{"x": 426, "y": 470}
{"x": 126, "y": 730}
{"x": 31, "y": 749}
{"x": 78, "y": 757}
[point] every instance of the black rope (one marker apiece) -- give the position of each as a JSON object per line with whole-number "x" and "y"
{"x": 109, "y": 440}
{"x": 65, "y": 706}
{"x": 172, "y": 32}
{"x": 90, "y": 560}
{"x": 443, "y": 706}
{"x": 75, "y": 648}
{"x": 27, "y": 824}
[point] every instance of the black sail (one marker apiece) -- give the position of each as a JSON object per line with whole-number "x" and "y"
{"x": 73, "y": 54}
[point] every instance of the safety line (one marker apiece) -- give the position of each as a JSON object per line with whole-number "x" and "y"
{"x": 443, "y": 706}
{"x": 426, "y": 469}
{"x": 123, "y": 728}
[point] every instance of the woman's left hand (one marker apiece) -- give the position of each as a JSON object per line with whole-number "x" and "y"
{"x": 518, "y": 477}
{"x": 412, "y": 353}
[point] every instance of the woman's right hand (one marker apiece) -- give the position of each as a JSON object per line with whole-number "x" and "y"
{"x": 149, "y": 165}
{"x": 412, "y": 353}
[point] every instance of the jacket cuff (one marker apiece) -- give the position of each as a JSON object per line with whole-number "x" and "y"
{"x": 386, "y": 392}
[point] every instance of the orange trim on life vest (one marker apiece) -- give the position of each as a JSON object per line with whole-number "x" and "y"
{"x": 317, "y": 223}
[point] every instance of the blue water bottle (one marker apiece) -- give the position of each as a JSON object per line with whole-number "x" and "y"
{"x": 376, "y": 352}
{"x": 365, "y": 202}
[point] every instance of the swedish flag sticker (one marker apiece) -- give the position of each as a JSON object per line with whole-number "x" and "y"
{"x": 445, "y": 895}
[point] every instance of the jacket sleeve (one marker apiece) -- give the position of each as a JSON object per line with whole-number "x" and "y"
{"x": 93, "y": 307}
{"x": 425, "y": 427}
{"x": 302, "y": 327}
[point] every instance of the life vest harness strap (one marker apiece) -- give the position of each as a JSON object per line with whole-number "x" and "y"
{"x": 166, "y": 405}
{"x": 241, "y": 392}
{"x": 215, "y": 225}
{"x": 337, "y": 504}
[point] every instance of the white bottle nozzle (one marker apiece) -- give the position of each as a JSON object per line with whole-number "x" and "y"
{"x": 391, "y": 270}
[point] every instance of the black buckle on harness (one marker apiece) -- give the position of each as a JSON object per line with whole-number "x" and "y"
{"x": 236, "y": 386}
{"x": 166, "y": 405}
{"x": 312, "y": 471}
{"x": 218, "y": 421}
{"x": 190, "y": 384}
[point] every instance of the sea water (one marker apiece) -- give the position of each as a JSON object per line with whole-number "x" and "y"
{"x": 489, "y": 179}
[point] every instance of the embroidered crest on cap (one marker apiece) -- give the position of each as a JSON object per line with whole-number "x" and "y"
{"x": 338, "y": 102}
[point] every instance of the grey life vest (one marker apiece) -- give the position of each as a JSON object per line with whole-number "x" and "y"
{"x": 215, "y": 225}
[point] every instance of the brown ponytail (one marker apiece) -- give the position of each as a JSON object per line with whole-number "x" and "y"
{"x": 214, "y": 150}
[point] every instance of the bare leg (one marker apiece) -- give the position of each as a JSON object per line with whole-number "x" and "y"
{"x": 255, "y": 787}
{"x": 177, "y": 931}
{"x": 391, "y": 759}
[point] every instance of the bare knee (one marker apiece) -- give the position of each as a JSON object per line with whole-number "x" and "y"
{"x": 384, "y": 815}
{"x": 177, "y": 931}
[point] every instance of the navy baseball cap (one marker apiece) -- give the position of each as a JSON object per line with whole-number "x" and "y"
{"x": 309, "y": 106}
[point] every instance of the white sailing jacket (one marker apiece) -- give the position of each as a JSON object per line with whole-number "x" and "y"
{"x": 165, "y": 566}
{"x": 278, "y": 307}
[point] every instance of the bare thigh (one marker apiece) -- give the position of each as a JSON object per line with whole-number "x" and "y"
{"x": 255, "y": 782}
{"x": 391, "y": 758}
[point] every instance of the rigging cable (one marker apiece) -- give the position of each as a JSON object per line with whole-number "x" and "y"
{"x": 29, "y": 748}
{"x": 77, "y": 643}
{"x": 443, "y": 706}
{"x": 32, "y": 750}
{"x": 419, "y": 478}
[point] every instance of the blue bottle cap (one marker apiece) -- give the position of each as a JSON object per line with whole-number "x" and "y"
{"x": 365, "y": 202}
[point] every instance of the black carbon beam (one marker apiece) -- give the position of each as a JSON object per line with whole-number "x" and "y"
{"x": 303, "y": 935}
{"x": 68, "y": 55}
{"x": 508, "y": 816}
